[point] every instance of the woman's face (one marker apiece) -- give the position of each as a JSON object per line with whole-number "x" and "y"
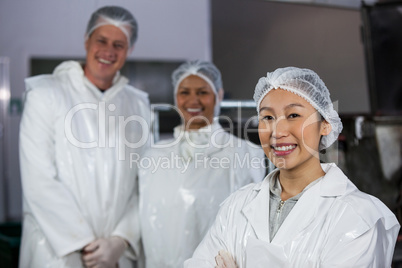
{"x": 107, "y": 49}
{"x": 290, "y": 130}
{"x": 196, "y": 100}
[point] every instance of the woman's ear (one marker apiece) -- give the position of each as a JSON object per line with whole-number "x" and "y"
{"x": 220, "y": 94}
{"x": 325, "y": 128}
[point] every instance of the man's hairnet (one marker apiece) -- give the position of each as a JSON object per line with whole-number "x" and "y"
{"x": 204, "y": 69}
{"x": 308, "y": 85}
{"x": 116, "y": 16}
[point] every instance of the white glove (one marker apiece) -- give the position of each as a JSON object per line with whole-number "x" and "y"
{"x": 104, "y": 252}
{"x": 224, "y": 260}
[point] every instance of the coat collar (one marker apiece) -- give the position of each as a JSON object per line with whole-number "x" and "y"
{"x": 257, "y": 211}
{"x": 118, "y": 84}
{"x": 207, "y": 140}
{"x": 179, "y": 132}
{"x": 77, "y": 77}
{"x": 334, "y": 183}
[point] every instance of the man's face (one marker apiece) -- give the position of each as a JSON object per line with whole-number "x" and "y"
{"x": 107, "y": 48}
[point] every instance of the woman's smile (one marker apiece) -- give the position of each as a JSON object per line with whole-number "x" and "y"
{"x": 283, "y": 149}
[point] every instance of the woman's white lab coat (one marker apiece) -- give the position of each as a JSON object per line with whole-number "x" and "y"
{"x": 78, "y": 185}
{"x": 180, "y": 195}
{"x": 332, "y": 225}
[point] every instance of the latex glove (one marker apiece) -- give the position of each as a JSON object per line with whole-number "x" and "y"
{"x": 104, "y": 252}
{"x": 225, "y": 260}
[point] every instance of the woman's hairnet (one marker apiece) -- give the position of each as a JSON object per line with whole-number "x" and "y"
{"x": 116, "y": 16}
{"x": 204, "y": 69}
{"x": 308, "y": 85}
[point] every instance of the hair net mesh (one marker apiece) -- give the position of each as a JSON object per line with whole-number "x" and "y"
{"x": 204, "y": 69}
{"x": 117, "y": 16}
{"x": 308, "y": 85}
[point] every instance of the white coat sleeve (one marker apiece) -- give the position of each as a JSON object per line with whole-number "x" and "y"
{"x": 215, "y": 240}
{"x": 52, "y": 205}
{"x": 355, "y": 243}
{"x": 128, "y": 226}
{"x": 204, "y": 255}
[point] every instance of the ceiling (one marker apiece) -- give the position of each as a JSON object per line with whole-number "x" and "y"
{"x": 353, "y": 4}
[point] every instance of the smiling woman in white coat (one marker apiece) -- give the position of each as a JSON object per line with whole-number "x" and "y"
{"x": 192, "y": 173}
{"x": 304, "y": 213}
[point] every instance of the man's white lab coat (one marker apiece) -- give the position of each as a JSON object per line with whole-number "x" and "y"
{"x": 78, "y": 185}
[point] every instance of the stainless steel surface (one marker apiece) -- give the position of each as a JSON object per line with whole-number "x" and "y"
{"x": 240, "y": 105}
{"x": 389, "y": 142}
{"x": 4, "y": 102}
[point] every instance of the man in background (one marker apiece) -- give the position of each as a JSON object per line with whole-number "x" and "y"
{"x": 79, "y": 127}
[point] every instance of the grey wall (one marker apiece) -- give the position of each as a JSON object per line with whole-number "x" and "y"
{"x": 253, "y": 37}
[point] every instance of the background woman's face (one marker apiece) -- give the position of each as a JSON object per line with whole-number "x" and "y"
{"x": 289, "y": 129}
{"x": 196, "y": 100}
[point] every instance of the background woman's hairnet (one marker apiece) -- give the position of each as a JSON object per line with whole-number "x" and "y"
{"x": 308, "y": 85}
{"x": 117, "y": 16}
{"x": 204, "y": 69}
